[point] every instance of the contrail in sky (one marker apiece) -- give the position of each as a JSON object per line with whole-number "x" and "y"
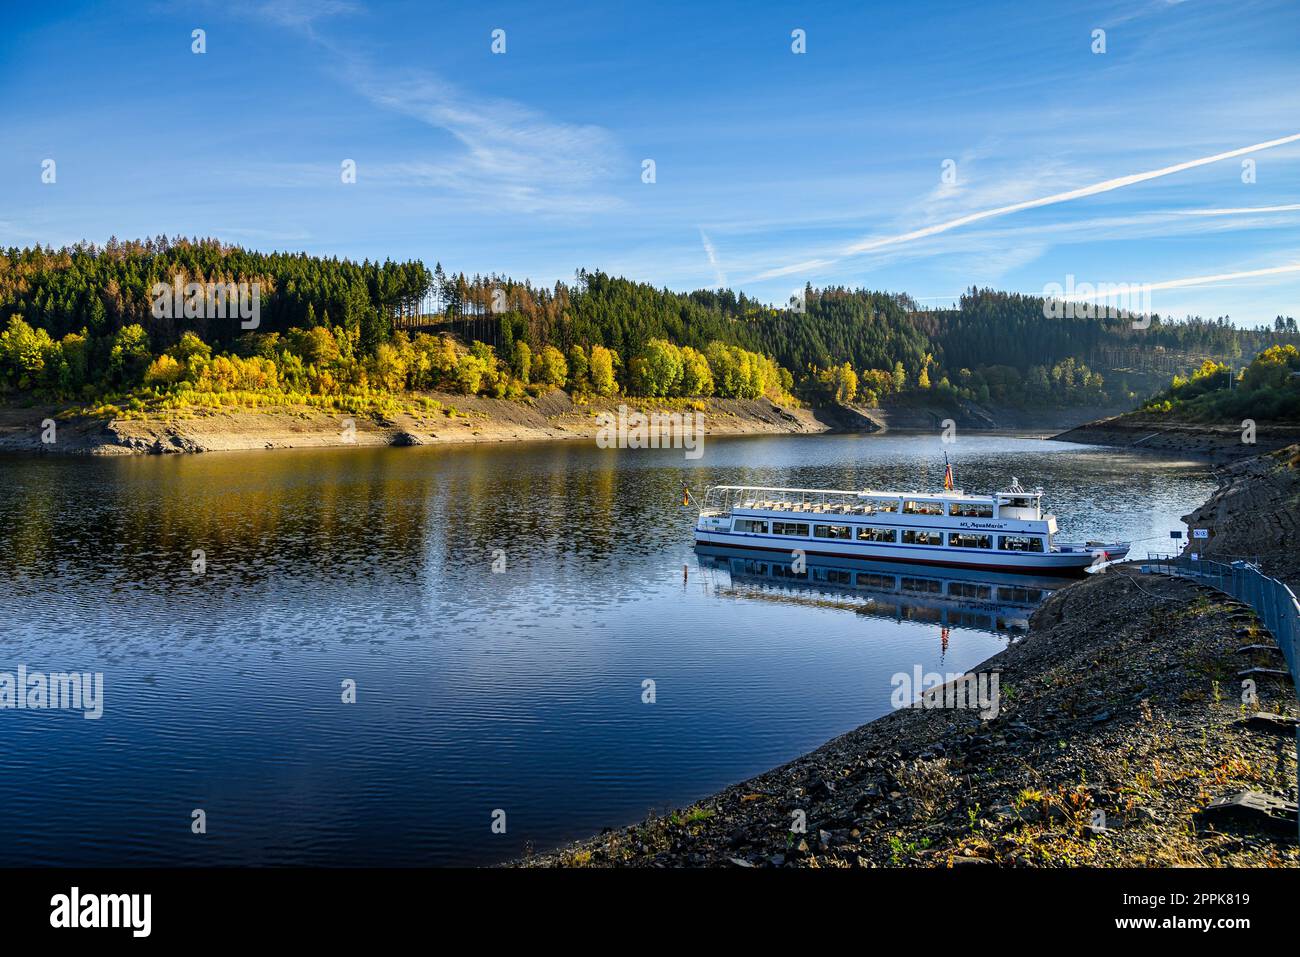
{"x": 1195, "y": 281}
{"x": 867, "y": 245}
{"x": 713, "y": 260}
{"x": 1165, "y": 284}
{"x": 1241, "y": 210}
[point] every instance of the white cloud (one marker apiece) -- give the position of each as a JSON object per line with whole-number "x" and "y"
{"x": 504, "y": 155}
{"x": 301, "y": 14}
{"x": 510, "y": 156}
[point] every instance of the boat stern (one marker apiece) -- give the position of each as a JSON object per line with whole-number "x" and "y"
{"x": 1093, "y": 553}
{"x": 712, "y": 524}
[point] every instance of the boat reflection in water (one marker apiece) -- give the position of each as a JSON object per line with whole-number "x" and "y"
{"x": 997, "y": 602}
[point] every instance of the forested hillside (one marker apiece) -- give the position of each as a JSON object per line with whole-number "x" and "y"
{"x": 992, "y": 328}
{"x": 1268, "y": 389}
{"x": 83, "y": 324}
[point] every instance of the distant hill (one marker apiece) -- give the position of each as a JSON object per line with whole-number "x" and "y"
{"x": 83, "y": 323}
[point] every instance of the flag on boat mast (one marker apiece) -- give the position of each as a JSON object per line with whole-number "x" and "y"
{"x": 947, "y": 473}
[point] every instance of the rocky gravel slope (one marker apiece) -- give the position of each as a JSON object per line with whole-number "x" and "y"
{"x": 1121, "y": 720}
{"x": 461, "y": 419}
{"x": 1160, "y": 433}
{"x": 1256, "y": 513}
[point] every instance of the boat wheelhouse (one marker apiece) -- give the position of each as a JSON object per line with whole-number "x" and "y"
{"x": 1005, "y": 531}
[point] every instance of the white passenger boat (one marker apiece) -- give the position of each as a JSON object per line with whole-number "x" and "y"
{"x": 1006, "y": 531}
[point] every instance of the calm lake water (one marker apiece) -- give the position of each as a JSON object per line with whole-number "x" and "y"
{"x": 519, "y": 690}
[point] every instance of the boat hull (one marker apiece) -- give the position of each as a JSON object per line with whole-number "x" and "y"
{"x": 1049, "y": 563}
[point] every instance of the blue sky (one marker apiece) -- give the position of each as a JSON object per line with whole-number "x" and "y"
{"x": 772, "y": 168}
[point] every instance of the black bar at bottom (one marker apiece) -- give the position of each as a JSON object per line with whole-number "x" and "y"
{"x": 335, "y": 906}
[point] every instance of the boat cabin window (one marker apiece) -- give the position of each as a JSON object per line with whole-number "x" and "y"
{"x": 969, "y": 590}
{"x": 1017, "y": 502}
{"x": 922, "y": 508}
{"x": 833, "y": 576}
{"x": 832, "y": 531}
{"x": 790, "y": 528}
{"x": 1018, "y": 594}
{"x": 882, "y": 505}
{"x": 873, "y": 580}
{"x": 969, "y": 540}
{"x": 1020, "y": 543}
{"x": 926, "y": 586}
{"x": 971, "y": 509}
{"x": 916, "y": 536}
{"x": 868, "y": 534}
{"x": 750, "y": 525}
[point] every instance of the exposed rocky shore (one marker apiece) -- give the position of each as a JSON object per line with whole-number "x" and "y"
{"x": 1160, "y": 433}
{"x": 1121, "y": 723}
{"x": 1255, "y": 513}
{"x": 911, "y": 412}
{"x": 461, "y": 419}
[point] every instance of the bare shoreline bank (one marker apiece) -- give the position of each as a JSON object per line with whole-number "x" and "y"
{"x": 458, "y": 419}
{"x": 1219, "y": 442}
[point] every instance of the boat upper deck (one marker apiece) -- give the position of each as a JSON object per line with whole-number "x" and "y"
{"x": 1015, "y": 503}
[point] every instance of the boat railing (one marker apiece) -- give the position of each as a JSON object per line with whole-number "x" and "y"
{"x": 722, "y": 500}
{"x": 1272, "y": 600}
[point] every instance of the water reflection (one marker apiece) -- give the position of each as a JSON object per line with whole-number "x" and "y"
{"x": 992, "y": 602}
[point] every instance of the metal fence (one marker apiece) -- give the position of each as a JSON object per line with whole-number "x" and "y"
{"x": 1272, "y": 600}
